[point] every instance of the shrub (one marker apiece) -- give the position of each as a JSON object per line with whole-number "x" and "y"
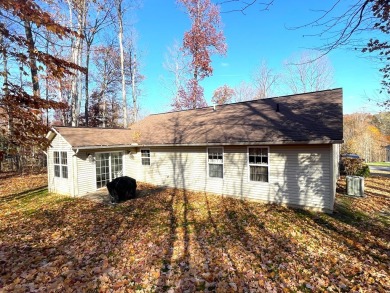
{"x": 364, "y": 171}
{"x": 355, "y": 167}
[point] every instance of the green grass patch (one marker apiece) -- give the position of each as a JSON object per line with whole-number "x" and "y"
{"x": 380, "y": 164}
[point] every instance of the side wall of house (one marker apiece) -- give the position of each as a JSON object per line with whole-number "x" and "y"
{"x": 59, "y": 184}
{"x": 298, "y": 175}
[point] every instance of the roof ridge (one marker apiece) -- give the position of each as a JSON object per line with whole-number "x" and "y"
{"x": 90, "y": 127}
{"x": 250, "y": 101}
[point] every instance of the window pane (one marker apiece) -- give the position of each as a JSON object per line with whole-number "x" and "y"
{"x": 116, "y": 165}
{"x": 258, "y": 173}
{"x": 258, "y": 156}
{"x": 215, "y": 155}
{"x": 56, "y": 157}
{"x": 57, "y": 171}
{"x": 145, "y": 157}
{"x": 64, "y": 172}
{"x": 216, "y": 170}
{"x": 64, "y": 158}
{"x": 145, "y": 161}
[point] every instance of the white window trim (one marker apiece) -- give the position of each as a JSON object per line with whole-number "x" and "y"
{"x": 110, "y": 152}
{"x": 248, "y": 165}
{"x": 61, "y": 165}
{"x": 223, "y": 162}
{"x": 150, "y": 157}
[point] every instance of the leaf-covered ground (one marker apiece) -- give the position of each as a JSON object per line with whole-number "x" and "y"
{"x": 175, "y": 241}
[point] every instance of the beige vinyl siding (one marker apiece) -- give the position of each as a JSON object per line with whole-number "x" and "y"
{"x": 298, "y": 175}
{"x": 301, "y": 176}
{"x": 185, "y": 169}
{"x": 86, "y": 179}
{"x": 56, "y": 184}
{"x": 87, "y": 169}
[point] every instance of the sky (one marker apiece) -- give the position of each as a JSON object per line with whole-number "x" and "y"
{"x": 251, "y": 38}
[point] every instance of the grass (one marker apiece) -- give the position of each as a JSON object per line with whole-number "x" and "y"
{"x": 173, "y": 240}
{"x": 381, "y": 164}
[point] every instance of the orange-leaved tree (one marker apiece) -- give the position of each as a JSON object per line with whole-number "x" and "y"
{"x": 21, "y": 105}
{"x": 203, "y": 39}
{"x": 223, "y": 95}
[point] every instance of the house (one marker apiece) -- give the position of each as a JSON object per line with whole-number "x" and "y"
{"x": 282, "y": 150}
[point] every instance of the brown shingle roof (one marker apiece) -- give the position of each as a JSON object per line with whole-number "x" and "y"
{"x": 303, "y": 118}
{"x": 86, "y": 137}
{"x": 309, "y": 117}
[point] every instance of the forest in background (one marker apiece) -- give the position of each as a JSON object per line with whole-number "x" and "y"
{"x": 367, "y": 135}
{"x": 76, "y": 63}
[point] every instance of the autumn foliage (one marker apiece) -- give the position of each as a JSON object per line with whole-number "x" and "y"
{"x": 171, "y": 240}
{"x": 190, "y": 97}
{"x": 223, "y": 95}
{"x": 203, "y": 40}
{"x": 21, "y": 109}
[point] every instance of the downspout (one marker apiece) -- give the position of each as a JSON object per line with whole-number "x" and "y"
{"x": 75, "y": 174}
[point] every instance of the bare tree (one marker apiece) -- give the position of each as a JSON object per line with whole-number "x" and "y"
{"x": 132, "y": 63}
{"x": 178, "y": 66}
{"x": 308, "y": 72}
{"x": 244, "y": 92}
{"x": 119, "y": 14}
{"x": 93, "y": 27}
{"x": 264, "y": 80}
{"x": 79, "y": 7}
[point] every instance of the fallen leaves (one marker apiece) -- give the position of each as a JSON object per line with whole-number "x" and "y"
{"x": 171, "y": 240}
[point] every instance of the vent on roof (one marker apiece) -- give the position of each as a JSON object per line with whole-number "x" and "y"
{"x": 277, "y": 107}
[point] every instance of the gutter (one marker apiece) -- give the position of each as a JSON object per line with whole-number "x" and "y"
{"x": 209, "y": 144}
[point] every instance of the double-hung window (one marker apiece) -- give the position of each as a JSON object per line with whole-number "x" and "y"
{"x": 215, "y": 162}
{"x": 258, "y": 164}
{"x": 60, "y": 164}
{"x": 145, "y": 157}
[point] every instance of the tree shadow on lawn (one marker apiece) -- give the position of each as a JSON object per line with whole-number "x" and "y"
{"x": 23, "y": 195}
{"x": 83, "y": 244}
{"x": 164, "y": 239}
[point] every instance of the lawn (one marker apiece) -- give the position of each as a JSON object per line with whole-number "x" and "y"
{"x": 380, "y": 164}
{"x": 176, "y": 241}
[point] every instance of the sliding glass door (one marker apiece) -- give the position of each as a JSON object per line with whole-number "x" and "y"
{"x": 108, "y": 167}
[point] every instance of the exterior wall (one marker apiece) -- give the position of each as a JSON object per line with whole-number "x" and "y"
{"x": 298, "y": 175}
{"x": 56, "y": 184}
{"x": 302, "y": 176}
{"x": 86, "y": 179}
{"x": 86, "y": 168}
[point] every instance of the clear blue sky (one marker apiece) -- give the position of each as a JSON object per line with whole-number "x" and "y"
{"x": 251, "y": 38}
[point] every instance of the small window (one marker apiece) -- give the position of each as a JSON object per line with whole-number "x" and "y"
{"x": 215, "y": 161}
{"x": 258, "y": 164}
{"x": 145, "y": 157}
{"x": 60, "y": 164}
{"x": 57, "y": 167}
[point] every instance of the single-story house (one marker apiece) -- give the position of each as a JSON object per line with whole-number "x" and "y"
{"x": 283, "y": 149}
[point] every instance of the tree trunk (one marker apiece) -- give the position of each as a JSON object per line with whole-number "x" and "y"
{"x": 76, "y": 57}
{"x": 47, "y": 85}
{"x": 133, "y": 74}
{"x": 86, "y": 86}
{"x": 33, "y": 59}
{"x": 122, "y": 57}
{"x": 5, "y": 86}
